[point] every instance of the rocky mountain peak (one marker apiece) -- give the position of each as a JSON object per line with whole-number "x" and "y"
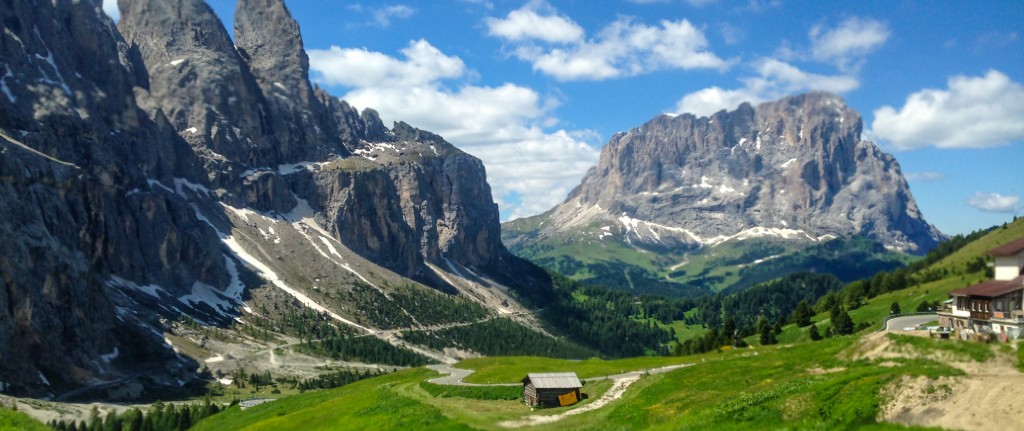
{"x": 268, "y": 38}
{"x": 199, "y": 81}
{"x": 797, "y": 163}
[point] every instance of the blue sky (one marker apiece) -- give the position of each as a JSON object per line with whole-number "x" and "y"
{"x": 535, "y": 88}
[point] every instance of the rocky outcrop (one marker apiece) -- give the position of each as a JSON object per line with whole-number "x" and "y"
{"x": 128, "y": 152}
{"x": 198, "y": 81}
{"x": 268, "y": 40}
{"x": 794, "y": 165}
{"x": 413, "y": 199}
{"x": 77, "y": 159}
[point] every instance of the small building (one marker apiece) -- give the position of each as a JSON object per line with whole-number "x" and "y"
{"x": 551, "y": 389}
{"x": 995, "y": 306}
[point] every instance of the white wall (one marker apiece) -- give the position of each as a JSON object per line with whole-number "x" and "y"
{"x": 1008, "y": 267}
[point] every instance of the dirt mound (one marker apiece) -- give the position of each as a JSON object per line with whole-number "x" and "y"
{"x": 986, "y": 398}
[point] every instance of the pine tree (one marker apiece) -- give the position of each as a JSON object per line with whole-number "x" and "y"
{"x": 841, "y": 321}
{"x": 729, "y": 333}
{"x": 815, "y": 336}
{"x": 894, "y": 309}
{"x": 111, "y": 422}
{"x": 777, "y": 329}
{"x": 802, "y": 314}
{"x": 767, "y": 335}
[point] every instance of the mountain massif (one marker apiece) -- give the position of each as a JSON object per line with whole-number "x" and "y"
{"x": 729, "y": 190}
{"x": 158, "y": 170}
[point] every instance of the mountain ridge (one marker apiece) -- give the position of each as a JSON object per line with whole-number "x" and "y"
{"x": 794, "y": 170}
{"x": 154, "y": 172}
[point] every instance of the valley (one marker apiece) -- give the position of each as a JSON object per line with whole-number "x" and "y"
{"x": 198, "y": 233}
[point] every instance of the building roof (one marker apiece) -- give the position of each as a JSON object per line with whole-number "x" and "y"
{"x": 1008, "y": 249}
{"x": 553, "y": 380}
{"x": 991, "y": 288}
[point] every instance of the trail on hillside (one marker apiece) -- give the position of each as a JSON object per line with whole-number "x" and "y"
{"x": 618, "y": 388}
{"x": 620, "y": 383}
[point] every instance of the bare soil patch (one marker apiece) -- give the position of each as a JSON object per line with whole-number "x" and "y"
{"x": 986, "y": 398}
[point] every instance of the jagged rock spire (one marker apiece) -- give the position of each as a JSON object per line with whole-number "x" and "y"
{"x": 268, "y": 38}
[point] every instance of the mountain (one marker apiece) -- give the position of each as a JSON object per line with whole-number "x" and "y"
{"x": 671, "y": 199}
{"x": 158, "y": 172}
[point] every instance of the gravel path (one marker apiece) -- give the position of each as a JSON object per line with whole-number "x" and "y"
{"x": 618, "y": 388}
{"x": 620, "y": 383}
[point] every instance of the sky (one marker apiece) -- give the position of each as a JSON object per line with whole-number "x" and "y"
{"x": 536, "y": 88}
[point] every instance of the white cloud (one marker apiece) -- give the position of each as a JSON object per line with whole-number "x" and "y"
{"x": 995, "y": 202}
{"x": 974, "y": 112}
{"x": 774, "y": 79}
{"x": 110, "y": 8}
{"x": 847, "y": 44}
{"x": 352, "y": 67}
{"x": 924, "y": 177}
{"x": 383, "y": 16}
{"x": 527, "y": 23}
{"x": 623, "y": 48}
{"x": 502, "y": 125}
{"x": 540, "y": 168}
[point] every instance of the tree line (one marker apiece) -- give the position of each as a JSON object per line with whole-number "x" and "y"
{"x": 161, "y": 417}
{"x": 611, "y": 321}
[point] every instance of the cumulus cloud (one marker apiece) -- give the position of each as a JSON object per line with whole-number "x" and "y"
{"x": 995, "y": 202}
{"x": 110, "y": 8}
{"x": 623, "y": 48}
{"x": 539, "y": 168}
{"x": 502, "y": 125}
{"x": 528, "y": 23}
{"x": 847, "y": 44}
{"x": 973, "y": 112}
{"x": 352, "y": 67}
{"x": 774, "y": 79}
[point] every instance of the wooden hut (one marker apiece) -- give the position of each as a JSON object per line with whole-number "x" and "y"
{"x": 551, "y": 389}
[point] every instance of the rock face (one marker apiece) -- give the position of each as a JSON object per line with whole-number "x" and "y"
{"x": 76, "y": 206}
{"x": 131, "y": 155}
{"x": 794, "y": 167}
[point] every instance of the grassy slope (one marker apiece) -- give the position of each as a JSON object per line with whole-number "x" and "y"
{"x": 511, "y": 369}
{"x": 876, "y": 309}
{"x": 17, "y": 421}
{"x": 368, "y": 404}
{"x": 738, "y": 389}
{"x": 680, "y": 272}
{"x": 764, "y": 387}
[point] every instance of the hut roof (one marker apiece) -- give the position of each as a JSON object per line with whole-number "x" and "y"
{"x": 1010, "y": 249}
{"x": 991, "y": 288}
{"x": 553, "y": 380}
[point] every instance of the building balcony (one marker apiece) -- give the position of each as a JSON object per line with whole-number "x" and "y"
{"x": 981, "y": 315}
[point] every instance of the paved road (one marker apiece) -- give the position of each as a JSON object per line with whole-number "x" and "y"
{"x": 898, "y": 323}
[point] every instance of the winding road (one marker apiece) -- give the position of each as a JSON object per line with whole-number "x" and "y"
{"x": 898, "y": 323}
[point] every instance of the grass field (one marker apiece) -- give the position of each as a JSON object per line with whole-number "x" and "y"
{"x": 511, "y": 369}
{"x": 17, "y": 421}
{"x": 801, "y": 386}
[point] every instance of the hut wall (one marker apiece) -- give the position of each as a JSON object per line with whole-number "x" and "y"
{"x": 530, "y": 394}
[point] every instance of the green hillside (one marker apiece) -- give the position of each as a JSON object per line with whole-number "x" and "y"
{"x": 738, "y": 389}
{"x": 17, "y": 421}
{"x": 798, "y": 384}
{"x": 692, "y": 271}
